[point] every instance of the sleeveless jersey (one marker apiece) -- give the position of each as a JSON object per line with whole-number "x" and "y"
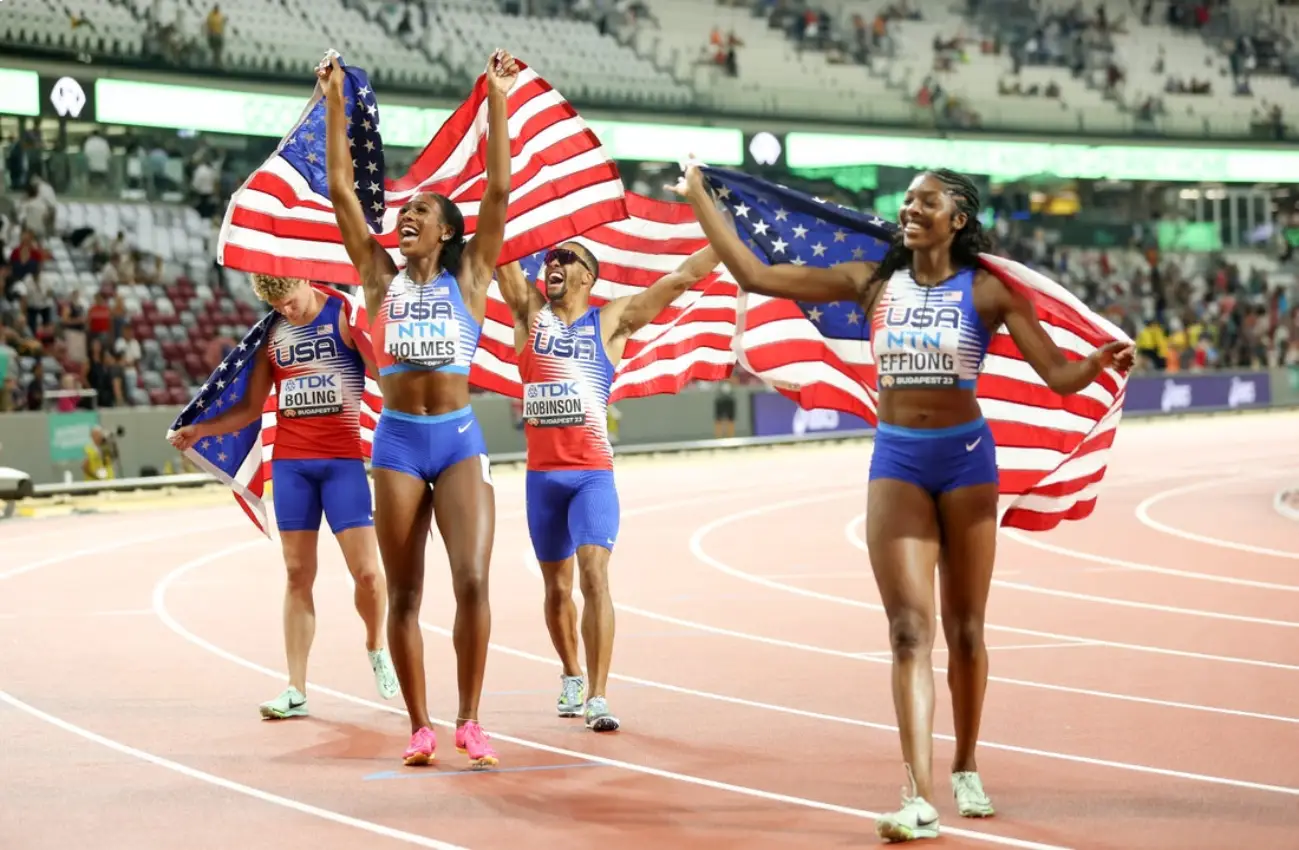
{"x": 566, "y": 381}
{"x": 319, "y": 381}
{"x": 928, "y": 337}
{"x": 424, "y": 327}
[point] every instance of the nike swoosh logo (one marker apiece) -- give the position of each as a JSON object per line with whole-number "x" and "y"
{"x": 465, "y": 427}
{"x": 969, "y": 447}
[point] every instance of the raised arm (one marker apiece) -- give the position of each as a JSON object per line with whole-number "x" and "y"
{"x": 371, "y": 261}
{"x": 624, "y": 316}
{"x": 484, "y": 249}
{"x": 521, "y": 298}
{"x": 1061, "y": 374}
{"x": 844, "y": 282}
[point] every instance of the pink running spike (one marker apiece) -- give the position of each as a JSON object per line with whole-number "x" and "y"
{"x": 472, "y": 741}
{"x": 422, "y": 746}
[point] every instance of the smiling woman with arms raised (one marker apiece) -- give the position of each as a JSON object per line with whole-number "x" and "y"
{"x": 426, "y": 321}
{"x": 932, "y": 496}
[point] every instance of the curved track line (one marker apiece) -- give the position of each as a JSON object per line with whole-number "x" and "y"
{"x": 530, "y": 562}
{"x": 160, "y": 608}
{"x": 885, "y": 727}
{"x": 1027, "y": 540}
{"x": 107, "y": 547}
{"x": 696, "y": 549}
{"x": 228, "y": 784}
{"x": 850, "y": 532}
{"x": 1143, "y": 516}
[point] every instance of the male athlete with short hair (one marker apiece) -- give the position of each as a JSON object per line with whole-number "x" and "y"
{"x": 568, "y": 353}
{"x": 318, "y": 467}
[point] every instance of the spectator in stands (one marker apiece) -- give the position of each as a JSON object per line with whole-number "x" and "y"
{"x": 36, "y": 388}
{"x": 215, "y": 30}
{"x": 72, "y": 318}
{"x": 16, "y": 162}
{"x": 98, "y": 156}
{"x": 204, "y": 184}
{"x": 127, "y": 348}
{"x": 99, "y": 319}
{"x": 26, "y": 259}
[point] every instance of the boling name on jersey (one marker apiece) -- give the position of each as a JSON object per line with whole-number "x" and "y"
{"x": 422, "y": 332}
{"x": 553, "y": 403}
{"x": 311, "y": 395}
{"x": 918, "y": 347}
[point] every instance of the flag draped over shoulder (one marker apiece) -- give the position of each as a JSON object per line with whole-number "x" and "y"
{"x": 242, "y": 459}
{"x": 1052, "y": 450}
{"x": 281, "y": 221}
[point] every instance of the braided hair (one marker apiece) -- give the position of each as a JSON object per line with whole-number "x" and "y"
{"x": 970, "y": 241}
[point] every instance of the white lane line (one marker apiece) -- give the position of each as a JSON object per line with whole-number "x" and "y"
{"x": 160, "y": 608}
{"x": 1028, "y": 540}
{"x": 696, "y": 549}
{"x": 885, "y": 727}
{"x": 884, "y": 657}
{"x": 851, "y": 531}
{"x": 105, "y": 547}
{"x": 227, "y": 784}
{"x": 1143, "y": 515}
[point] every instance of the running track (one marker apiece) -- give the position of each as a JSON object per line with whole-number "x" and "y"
{"x": 1145, "y": 693}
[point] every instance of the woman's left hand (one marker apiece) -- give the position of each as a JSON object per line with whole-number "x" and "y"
{"x": 502, "y": 71}
{"x": 1118, "y": 355}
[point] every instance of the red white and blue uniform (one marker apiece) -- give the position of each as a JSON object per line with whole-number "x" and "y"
{"x": 931, "y": 337}
{"x": 318, "y": 466}
{"x": 567, "y": 376}
{"x": 425, "y": 328}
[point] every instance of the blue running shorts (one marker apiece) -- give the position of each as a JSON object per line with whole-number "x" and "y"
{"x": 426, "y": 446}
{"x": 936, "y": 460}
{"x": 303, "y": 489}
{"x": 568, "y": 508}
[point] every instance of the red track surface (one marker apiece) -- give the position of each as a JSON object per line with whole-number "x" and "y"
{"x": 1146, "y": 694}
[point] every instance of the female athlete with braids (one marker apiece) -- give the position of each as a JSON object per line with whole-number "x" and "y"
{"x": 932, "y": 496}
{"x": 426, "y": 321}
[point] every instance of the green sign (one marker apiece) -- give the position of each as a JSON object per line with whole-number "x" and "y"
{"x": 1014, "y": 160}
{"x": 70, "y": 434}
{"x": 242, "y": 113}
{"x": 20, "y": 92}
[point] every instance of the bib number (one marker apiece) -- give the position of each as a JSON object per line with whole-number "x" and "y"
{"x": 422, "y": 343}
{"x": 553, "y": 403}
{"x": 311, "y": 395}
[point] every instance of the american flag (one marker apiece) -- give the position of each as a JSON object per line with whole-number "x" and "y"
{"x": 689, "y": 341}
{"x": 242, "y": 460}
{"x": 281, "y": 221}
{"x": 1052, "y": 450}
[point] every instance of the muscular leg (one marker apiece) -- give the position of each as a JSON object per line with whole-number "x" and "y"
{"x": 902, "y": 538}
{"x": 561, "y": 612}
{"x": 402, "y": 510}
{"x": 464, "y": 504}
{"x": 597, "y": 615}
{"x": 371, "y": 592}
{"x": 299, "y": 607}
{"x": 968, "y": 517}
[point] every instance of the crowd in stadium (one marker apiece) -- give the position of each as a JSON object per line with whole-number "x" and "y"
{"x": 109, "y": 293}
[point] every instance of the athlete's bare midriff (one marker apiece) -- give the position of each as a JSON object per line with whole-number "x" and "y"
{"x": 424, "y": 393}
{"x": 928, "y": 408}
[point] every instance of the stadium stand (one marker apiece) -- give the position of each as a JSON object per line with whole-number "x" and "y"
{"x": 125, "y": 266}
